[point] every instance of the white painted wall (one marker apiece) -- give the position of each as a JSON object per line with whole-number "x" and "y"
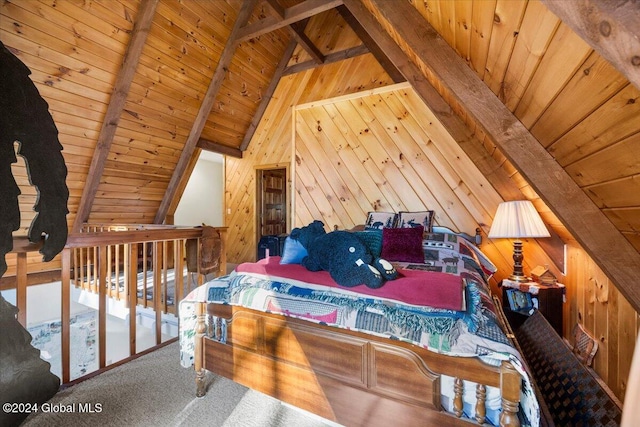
{"x": 203, "y": 198}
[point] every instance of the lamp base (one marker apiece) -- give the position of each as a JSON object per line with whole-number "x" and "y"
{"x": 518, "y": 274}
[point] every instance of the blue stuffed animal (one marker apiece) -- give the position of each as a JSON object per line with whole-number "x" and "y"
{"x": 343, "y": 255}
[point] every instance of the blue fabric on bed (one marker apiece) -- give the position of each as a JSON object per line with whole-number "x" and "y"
{"x": 293, "y": 251}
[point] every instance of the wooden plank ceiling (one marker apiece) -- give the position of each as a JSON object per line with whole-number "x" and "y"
{"x": 137, "y": 88}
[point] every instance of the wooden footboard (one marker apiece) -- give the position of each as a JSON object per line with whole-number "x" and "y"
{"x": 351, "y": 378}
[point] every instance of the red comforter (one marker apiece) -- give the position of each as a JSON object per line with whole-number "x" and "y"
{"x": 414, "y": 287}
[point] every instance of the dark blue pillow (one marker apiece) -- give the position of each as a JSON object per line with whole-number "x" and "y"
{"x": 372, "y": 239}
{"x": 293, "y": 251}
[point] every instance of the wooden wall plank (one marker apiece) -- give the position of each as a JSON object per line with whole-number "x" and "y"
{"x": 463, "y": 14}
{"x": 536, "y": 31}
{"x": 506, "y": 27}
{"x": 552, "y": 74}
{"x": 481, "y": 27}
{"x": 611, "y": 122}
{"x": 593, "y": 83}
{"x": 624, "y": 155}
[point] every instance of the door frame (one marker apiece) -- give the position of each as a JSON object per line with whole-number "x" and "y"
{"x": 259, "y": 169}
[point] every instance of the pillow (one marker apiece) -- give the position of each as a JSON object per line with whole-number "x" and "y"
{"x": 372, "y": 239}
{"x": 435, "y": 244}
{"x": 379, "y": 220}
{"x": 487, "y": 266}
{"x": 442, "y": 251}
{"x": 413, "y": 219}
{"x": 402, "y": 244}
{"x": 293, "y": 251}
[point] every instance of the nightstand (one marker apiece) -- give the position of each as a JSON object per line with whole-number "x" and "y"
{"x": 548, "y": 299}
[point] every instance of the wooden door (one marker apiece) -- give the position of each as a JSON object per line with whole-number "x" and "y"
{"x": 272, "y": 202}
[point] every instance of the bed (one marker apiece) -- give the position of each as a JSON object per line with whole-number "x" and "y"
{"x": 428, "y": 347}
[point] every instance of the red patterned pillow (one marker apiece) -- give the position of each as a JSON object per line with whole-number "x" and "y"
{"x": 402, "y": 244}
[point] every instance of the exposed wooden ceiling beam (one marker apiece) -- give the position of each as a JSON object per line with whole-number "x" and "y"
{"x": 297, "y": 32}
{"x": 215, "y": 147}
{"x": 266, "y": 97}
{"x": 118, "y": 99}
{"x": 276, "y": 7}
{"x": 351, "y": 52}
{"x": 612, "y": 28}
{"x": 293, "y": 14}
{"x": 380, "y": 56}
{"x": 205, "y": 109}
{"x": 592, "y": 229}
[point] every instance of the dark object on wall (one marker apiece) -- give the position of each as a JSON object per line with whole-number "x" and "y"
{"x": 25, "y": 118}
{"x": 209, "y": 249}
{"x": 24, "y": 377}
{"x": 274, "y": 244}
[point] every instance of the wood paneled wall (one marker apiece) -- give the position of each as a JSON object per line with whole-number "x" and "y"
{"x": 384, "y": 150}
{"x": 596, "y": 303}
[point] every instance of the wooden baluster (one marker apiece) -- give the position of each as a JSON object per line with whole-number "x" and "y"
{"x": 109, "y": 271}
{"x": 65, "y": 315}
{"x": 83, "y": 270}
{"x": 91, "y": 272}
{"x": 132, "y": 288}
{"x": 120, "y": 268}
{"x": 481, "y": 408}
{"x": 96, "y": 271}
{"x": 76, "y": 272}
{"x": 102, "y": 306}
{"x": 165, "y": 277}
{"x": 115, "y": 274}
{"x": 145, "y": 273}
{"x": 126, "y": 273}
{"x": 178, "y": 263}
{"x": 157, "y": 300}
{"x": 458, "y": 389}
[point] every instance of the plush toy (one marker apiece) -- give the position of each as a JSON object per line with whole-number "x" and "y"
{"x": 344, "y": 256}
{"x": 307, "y": 234}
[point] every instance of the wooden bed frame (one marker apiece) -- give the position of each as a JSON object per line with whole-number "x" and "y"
{"x": 352, "y": 378}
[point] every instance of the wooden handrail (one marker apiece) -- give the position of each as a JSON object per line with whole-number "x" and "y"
{"x": 107, "y": 259}
{"x": 89, "y": 239}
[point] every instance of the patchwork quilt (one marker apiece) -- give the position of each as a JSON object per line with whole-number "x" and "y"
{"x": 419, "y": 311}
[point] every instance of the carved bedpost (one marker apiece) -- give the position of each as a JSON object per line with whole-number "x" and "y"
{"x": 198, "y": 352}
{"x": 510, "y": 385}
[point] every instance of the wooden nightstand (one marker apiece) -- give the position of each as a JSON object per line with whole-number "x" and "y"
{"x": 546, "y": 298}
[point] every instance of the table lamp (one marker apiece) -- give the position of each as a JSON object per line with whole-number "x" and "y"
{"x": 516, "y": 220}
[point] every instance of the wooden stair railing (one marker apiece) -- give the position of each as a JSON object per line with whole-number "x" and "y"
{"x": 129, "y": 263}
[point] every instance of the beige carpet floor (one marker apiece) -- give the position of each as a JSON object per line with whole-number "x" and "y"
{"x": 154, "y": 390}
